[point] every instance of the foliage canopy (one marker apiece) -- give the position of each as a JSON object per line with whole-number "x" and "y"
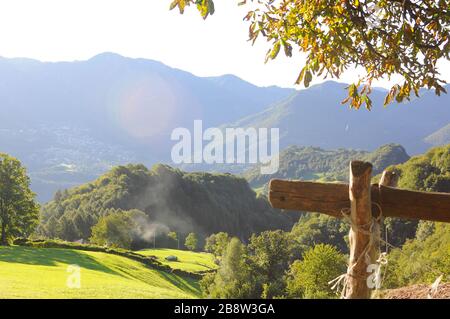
{"x": 383, "y": 37}
{"x": 19, "y": 213}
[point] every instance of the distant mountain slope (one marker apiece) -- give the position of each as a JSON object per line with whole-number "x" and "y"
{"x": 69, "y": 122}
{"x": 440, "y": 137}
{"x": 174, "y": 200}
{"x": 313, "y": 163}
{"x": 112, "y": 93}
{"x": 315, "y": 117}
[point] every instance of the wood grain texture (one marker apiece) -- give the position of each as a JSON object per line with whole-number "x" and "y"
{"x": 360, "y": 238}
{"x": 330, "y": 199}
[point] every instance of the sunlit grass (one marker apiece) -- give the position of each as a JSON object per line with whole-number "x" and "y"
{"x": 187, "y": 260}
{"x": 42, "y": 273}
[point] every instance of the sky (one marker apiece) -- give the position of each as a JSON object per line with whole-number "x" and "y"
{"x": 67, "y": 30}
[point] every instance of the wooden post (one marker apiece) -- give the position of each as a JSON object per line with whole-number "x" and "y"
{"x": 389, "y": 178}
{"x": 361, "y": 252}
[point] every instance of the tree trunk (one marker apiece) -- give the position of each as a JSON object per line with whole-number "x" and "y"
{"x": 3, "y": 240}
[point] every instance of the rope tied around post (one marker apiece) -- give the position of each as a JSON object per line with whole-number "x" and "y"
{"x": 367, "y": 229}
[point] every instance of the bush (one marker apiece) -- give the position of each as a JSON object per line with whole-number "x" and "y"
{"x": 309, "y": 278}
{"x": 191, "y": 242}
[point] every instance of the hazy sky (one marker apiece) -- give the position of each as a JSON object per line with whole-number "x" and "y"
{"x": 66, "y": 30}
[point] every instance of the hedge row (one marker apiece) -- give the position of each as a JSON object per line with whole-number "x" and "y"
{"x": 150, "y": 261}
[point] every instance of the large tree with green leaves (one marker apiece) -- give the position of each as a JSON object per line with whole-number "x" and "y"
{"x": 191, "y": 241}
{"x": 384, "y": 37}
{"x": 270, "y": 253}
{"x": 217, "y": 243}
{"x": 234, "y": 279}
{"x": 19, "y": 213}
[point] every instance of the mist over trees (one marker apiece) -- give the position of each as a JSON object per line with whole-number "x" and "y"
{"x": 172, "y": 200}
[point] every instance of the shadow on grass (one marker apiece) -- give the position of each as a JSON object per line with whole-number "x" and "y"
{"x": 51, "y": 257}
{"x": 184, "y": 283}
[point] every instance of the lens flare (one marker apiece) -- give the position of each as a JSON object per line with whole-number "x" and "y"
{"x": 145, "y": 107}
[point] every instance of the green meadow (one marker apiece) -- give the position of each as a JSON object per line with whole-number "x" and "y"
{"x": 43, "y": 273}
{"x": 187, "y": 260}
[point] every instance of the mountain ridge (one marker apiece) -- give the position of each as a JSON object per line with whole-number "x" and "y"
{"x": 69, "y": 122}
{"x": 314, "y": 117}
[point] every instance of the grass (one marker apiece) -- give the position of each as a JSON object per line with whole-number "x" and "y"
{"x": 43, "y": 273}
{"x": 187, "y": 260}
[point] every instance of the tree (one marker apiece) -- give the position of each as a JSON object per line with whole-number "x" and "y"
{"x": 19, "y": 213}
{"x": 233, "y": 279}
{"x": 191, "y": 242}
{"x": 421, "y": 260}
{"x": 270, "y": 254}
{"x": 52, "y": 228}
{"x": 217, "y": 243}
{"x": 113, "y": 230}
{"x": 384, "y": 37}
{"x": 67, "y": 229}
{"x": 309, "y": 277}
{"x": 313, "y": 229}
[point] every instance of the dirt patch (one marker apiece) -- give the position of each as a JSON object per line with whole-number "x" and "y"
{"x": 417, "y": 292}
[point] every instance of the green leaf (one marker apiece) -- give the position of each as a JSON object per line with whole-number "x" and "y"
{"x": 301, "y": 76}
{"x": 272, "y": 54}
{"x": 211, "y": 8}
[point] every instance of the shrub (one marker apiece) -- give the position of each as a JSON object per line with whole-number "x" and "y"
{"x": 309, "y": 277}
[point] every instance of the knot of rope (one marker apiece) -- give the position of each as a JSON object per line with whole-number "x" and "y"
{"x": 370, "y": 229}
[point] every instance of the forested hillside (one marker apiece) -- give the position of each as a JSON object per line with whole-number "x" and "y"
{"x": 427, "y": 172}
{"x": 301, "y": 120}
{"x": 302, "y": 262}
{"x": 171, "y": 199}
{"x": 423, "y": 247}
{"x": 314, "y": 163}
{"x": 70, "y": 122}
{"x": 427, "y": 255}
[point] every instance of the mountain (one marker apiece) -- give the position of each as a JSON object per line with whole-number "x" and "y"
{"x": 440, "y": 137}
{"x": 173, "y": 200}
{"x": 429, "y": 172}
{"x": 69, "y": 122}
{"x": 116, "y": 94}
{"x": 314, "y": 163}
{"x": 315, "y": 117}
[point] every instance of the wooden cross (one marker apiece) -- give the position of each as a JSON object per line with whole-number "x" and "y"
{"x": 364, "y": 205}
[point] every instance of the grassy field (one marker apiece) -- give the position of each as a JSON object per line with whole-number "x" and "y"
{"x": 43, "y": 273}
{"x": 187, "y": 260}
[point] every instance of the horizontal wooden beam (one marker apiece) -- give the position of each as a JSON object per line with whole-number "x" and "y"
{"x": 332, "y": 198}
